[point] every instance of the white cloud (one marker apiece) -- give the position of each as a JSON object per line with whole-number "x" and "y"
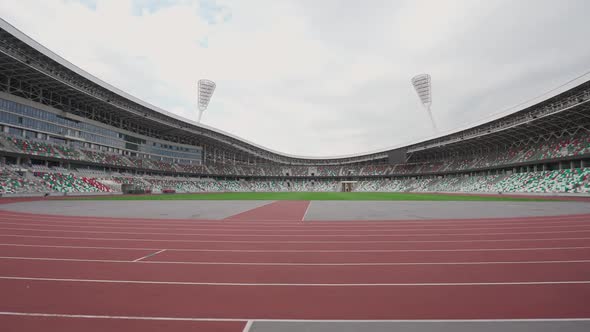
{"x": 319, "y": 77}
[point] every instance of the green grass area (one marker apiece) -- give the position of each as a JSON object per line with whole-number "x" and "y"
{"x": 313, "y": 196}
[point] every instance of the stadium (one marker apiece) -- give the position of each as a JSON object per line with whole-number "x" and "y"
{"x": 65, "y": 131}
{"x": 119, "y": 215}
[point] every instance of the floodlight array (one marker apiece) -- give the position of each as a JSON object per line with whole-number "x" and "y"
{"x": 422, "y": 86}
{"x": 206, "y": 89}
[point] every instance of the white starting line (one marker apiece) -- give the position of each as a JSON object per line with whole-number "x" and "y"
{"x": 252, "y": 320}
{"x": 239, "y": 284}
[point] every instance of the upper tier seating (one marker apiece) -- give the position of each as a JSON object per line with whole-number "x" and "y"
{"x": 36, "y": 148}
{"x": 192, "y": 168}
{"x": 576, "y": 145}
{"x": 106, "y": 158}
{"x": 375, "y": 170}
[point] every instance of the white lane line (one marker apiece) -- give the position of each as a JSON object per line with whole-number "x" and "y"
{"x": 582, "y": 319}
{"x": 199, "y": 319}
{"x": 306, "y": 209}
{"x": 294, "y": 264}
{"x": 283, "y": 242}
{"x": 298, "y": 251}
{"x": 192, "y": 319}
{"x": 393, "y": 225}
{"x": 191, "y": 283}
{"x": 294, "y": 235}
{"x": 299, "y": 228}
{"x": 49, "y": 218}
{"x": 149, "y": 255}
{"x": 248, "y": 326}
{"x": 80, "y": 247}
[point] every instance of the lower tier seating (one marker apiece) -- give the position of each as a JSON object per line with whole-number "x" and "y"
{"x": 40, "y": 179}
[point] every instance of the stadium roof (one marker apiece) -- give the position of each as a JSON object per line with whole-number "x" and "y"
{"x": 34, "y": 64}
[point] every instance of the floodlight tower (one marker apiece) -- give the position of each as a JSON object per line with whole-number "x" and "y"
{"x": 205, "y": 90}
{"x": 423, "y": 87}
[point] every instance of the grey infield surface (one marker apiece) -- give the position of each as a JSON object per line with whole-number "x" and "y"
{"x": 404, "y": 210}
{"x": 318, "y": 210}
{"x": 425, "y": 326}
{"x": 138, "y": 209}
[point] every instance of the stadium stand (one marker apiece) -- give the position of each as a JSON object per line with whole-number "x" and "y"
{"x": 83, "y": 136}
{"x": 35, "y": 148}
{"x": 575, "y": 180}
{"x": 375, "y": 170}
{"x": 59, "y": 182}
{"x": 105, "y": 158}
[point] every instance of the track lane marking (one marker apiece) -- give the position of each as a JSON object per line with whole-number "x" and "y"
{"x": 149, "y": 255}
{"x": 299, "y": 229}
{"x": 353, "y": 224}
{"x": 192, "y": 319}
{"x": 80, "y": 247}
{"x": 295, "y": 264}
{"x": 223, "y": 319}
{"x": 293, "y": 242}
{"x": 349, "y": 223}
{"x": 248, "y": 326}
{"x": 295, "y": 235}
{"x": 572, "y": 217}
{"x": 191, "y": 283}
{"x": 306, "y": 209}
{"x": 295, "y": 250}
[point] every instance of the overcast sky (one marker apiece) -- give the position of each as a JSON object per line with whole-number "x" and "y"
{"x": 319, "y": 77}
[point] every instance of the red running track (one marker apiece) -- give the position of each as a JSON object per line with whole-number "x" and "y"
{"x": 96, "y": 274}
{"x": 278, "y": 211}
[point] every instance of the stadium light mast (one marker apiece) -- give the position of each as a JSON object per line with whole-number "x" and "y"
{"x": 205, "y": 91}
{"x": 423, "y": 87}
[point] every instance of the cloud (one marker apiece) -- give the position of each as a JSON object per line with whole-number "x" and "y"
{"x": 319, "y": 77}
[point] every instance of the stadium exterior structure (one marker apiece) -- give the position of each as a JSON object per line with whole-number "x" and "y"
{"x": 44, "y": 97}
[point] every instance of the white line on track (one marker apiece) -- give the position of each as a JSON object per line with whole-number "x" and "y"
{"x": 149, "y": 255}
{"x": 295, "y": 264}
{"x": 192, "y": 319}
{"x": 199, "y": 319}
{"x": 190, "y": 283}
{"x": 123, "y": 220}
{"x": 245, "y": 230}
{"x": 88, "y": 247}
{"x": 298, "y": 229}
{"x": 306, "y": 209}
{"x": 248, "y": 326}
{"x": 296, "y": 235}
{"x": 288, "y": 241}
{"x": 360, "y": 223}
{"x": 295, "y": 250}
{"x": 424, "y": 320}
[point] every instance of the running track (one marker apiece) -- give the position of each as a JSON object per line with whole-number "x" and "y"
{"x": 96, "y": 274}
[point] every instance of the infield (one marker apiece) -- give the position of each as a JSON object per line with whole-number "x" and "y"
{"x": 317, "y": 196}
